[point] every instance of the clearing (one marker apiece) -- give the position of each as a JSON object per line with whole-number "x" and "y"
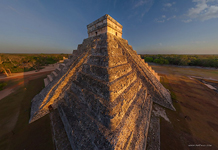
{"x": 194, "y": 125}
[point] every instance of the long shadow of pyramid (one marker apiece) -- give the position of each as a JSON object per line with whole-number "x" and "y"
{"x": 104, "y": 94}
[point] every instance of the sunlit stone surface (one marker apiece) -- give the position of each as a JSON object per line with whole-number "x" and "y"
{"x": 102, "y": 96}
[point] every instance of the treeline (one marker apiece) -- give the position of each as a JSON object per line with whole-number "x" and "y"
{"x": 13, "y": 63}
{"x": 183, "y": 60}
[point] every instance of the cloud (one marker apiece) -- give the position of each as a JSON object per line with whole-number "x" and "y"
{"x": 211, "y": 13}
{"x": 187, "y": 21}
{"x": 168, "y": 5}
{"x": 141, "y": 3}
{"x": 173, "y": 17}
{"x": 160, "y": 21}
{"x": 141, "y": 7}
{"x": 203, "y": 10}
{"x": 13, "y": 9}
{"x": 163, "y": 18}
{"x": 200, "y": 6}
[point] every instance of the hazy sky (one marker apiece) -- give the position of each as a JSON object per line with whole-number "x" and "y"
{"x": 150, "y": 26}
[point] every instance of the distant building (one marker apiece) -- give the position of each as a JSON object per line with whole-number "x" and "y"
{"x": 103, "y": 25}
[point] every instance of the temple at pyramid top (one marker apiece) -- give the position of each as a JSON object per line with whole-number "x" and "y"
{"x": 105, "y": 24}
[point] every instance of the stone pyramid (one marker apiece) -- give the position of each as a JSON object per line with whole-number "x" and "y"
{"x": 102, "y": 96}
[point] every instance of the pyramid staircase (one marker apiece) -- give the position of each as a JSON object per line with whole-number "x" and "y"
{"x": 57, "y": 72}
{"x": 104, "y": 94}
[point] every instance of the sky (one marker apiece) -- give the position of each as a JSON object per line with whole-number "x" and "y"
{"x": 150, "y": 26}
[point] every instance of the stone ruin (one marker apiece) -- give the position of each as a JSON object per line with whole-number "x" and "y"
{"x": 102, "y": 96}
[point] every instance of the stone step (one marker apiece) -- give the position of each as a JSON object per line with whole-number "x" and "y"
{"x": 139, "y": 56}
{"x": 75, "y": 52}
{"x": 66, "y": 61}
{"x": 46, "y": 81}
{"x": 61, "y": 66}
{"x": 130, "y": 46}
{"x": 77, "y": 89}
{"x": 57, "y": 70}
{"x": 125, "y": 97}
{"x": 74, "y": 57}
{"x": 79, "y": 47}
{"x": 54, "y": 74}
{"x": 153, "y": 140}
{"x": 103, "y": 89}
{"x": 119, "y": 113}
{"x": 105, "y": 61}
{"x": 70, "y": 56}
{"x": 67, "y": 126}
{"x": 59, "y": 134}
{"x": 79, "y": 126}
{"x": 142, "y": 124}
{"x": 106, "y": 74}
{"x": 67, "y": 98}
{"x": 151, "y": 70}
{"x": 97, "y": 107}
{"x": 105, "y": 51}
{"x": 145, "y": 64}
{"x": 136, "y": 122}
{"x": 49, "y": 78}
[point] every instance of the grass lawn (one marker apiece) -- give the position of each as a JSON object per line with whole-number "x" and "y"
{"x": 15, "y": 131}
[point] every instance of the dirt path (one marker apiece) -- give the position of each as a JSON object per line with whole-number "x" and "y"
{"x": 16, "y": 75}
{"x": 9, "y": 90}
{"x": 24, "y": 79}
{"x": 26, "y": 76}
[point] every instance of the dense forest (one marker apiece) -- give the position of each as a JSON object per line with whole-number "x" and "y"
{"x": 183, "y": 60}
{"x": 13, "y": 63}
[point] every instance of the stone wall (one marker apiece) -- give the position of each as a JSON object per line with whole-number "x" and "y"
{"x": 103, "y": 25}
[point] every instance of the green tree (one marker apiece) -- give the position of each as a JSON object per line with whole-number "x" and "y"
{"x": 148, "y": 59}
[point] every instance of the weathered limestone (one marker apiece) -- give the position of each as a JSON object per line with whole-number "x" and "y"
{"x": 60, "y": 139}
{"x": 105, "y": 24}
{"x": 46, "y": 81}
{"x": 49, "y": 78}
{"x": 104, "y": 95}
{"x": 54, "y": 74}
{"x": 153, "y": 141}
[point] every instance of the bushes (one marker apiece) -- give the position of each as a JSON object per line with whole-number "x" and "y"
{"x": 184, "y": 60}
{"x": 156, "y": 59}
{"x": 148, "y": 59}
{"x": 2, "y": 85}
{"x": 27, "y": 62}
{"x": 161, "y": 61}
